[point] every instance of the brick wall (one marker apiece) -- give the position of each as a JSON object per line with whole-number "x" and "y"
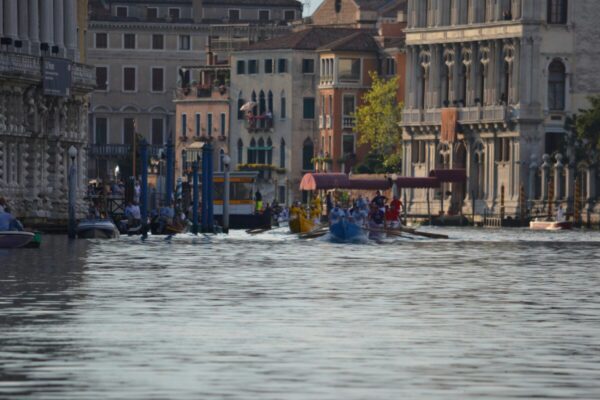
{"x": 327, "y": 15}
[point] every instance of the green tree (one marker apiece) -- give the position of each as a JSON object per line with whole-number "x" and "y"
{"x": 586, "y": 126}
{"x": 377, "y": 121}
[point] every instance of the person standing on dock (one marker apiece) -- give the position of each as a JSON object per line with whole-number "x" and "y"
{"x": 258, "y": 199}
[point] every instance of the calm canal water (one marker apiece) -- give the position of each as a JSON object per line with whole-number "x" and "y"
{"x": 488, "y": 314}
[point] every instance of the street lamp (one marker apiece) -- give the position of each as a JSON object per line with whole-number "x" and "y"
{"x": 72, "y": 179}
{"x": 226, "y": 162}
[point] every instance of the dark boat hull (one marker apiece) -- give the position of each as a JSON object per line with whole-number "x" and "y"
{"x": 344, "y": 232}
{"x": 15, "y": 239}
{"x": 250, "y": 221}
{"x": 97, "y": 230}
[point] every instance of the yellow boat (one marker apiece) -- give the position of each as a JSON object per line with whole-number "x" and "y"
{"x": 300, "y": 224}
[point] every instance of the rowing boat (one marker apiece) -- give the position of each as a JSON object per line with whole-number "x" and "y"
{"x": 344, "y": 231}
{"x": 300, "y": 224}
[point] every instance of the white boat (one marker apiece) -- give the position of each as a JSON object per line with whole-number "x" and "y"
{"x": 542, "y": 225}
{"x": 15, "y": 239}
{"x": 97, "y": 229}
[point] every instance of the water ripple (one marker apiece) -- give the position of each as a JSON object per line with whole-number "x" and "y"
{"x": 506, "y": 314}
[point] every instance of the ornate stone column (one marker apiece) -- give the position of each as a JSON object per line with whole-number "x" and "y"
{"x": 23, "y": 22}
{"x": 59, "y": 31}
{"x": 591, "y": 183}
{"x": 11, "y": 19}
{"x": 47, "y": 22}
{"x": 34, "y": 25}
{"x": 1, "y": 17}
{"x": 545, "y": 176}
{"x": 531, "y": 179}
{"x": 70, "y": 8}
{"x": 558, "y": 178}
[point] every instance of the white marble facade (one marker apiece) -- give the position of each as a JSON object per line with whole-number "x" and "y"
{"x": 514, "y": 70}
{"x": 36, "y": 130}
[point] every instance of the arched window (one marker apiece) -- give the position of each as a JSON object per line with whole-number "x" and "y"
{"x": 261, "y": 151}
{"x": 308, "y": 150}
{"x": 556, "y": 86}
{"x": 557, "y": 11}
{"x": 240, "y": 151}
{"x": 240, "y": 103}
{"x": 282, "y": 154}
{"x": 269, "y": 151}
{"x": 255, "y": 108}
{"x": 270, "y": 101}
{"x": 282, "y": 105}
{"x": 262, "y": 107}
{"x": 252, "y": 152}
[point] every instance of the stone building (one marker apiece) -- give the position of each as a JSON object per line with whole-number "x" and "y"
{"x": 141, "y": 49}
{"x": 202, "y": 113}
{"x": 489, "y": 86}
{"x": 43, "y": 105}
{"x": 358, "y": 13}
{"x": 280, "y": 76}
{"x": 345, "y": 67}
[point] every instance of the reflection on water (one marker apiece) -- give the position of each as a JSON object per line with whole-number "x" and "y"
{"x": 494, "y": 314}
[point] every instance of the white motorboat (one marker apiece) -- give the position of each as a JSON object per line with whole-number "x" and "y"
{"x": 542, "y": 225}
{"x": 97, "y": 229}
{"x": 15, "y": 239}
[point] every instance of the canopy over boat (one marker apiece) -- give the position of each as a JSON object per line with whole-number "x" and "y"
{"x": 327, "y": 181}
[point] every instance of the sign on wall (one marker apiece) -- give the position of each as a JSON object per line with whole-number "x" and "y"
{"x": 56, "y": 73}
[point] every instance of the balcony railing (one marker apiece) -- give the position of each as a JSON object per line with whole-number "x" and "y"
{"x": 328, "y": 121}
{"x": 321, "y": 121}
{"x": 466, "y": 115}
{"x": 348, "y": 122}
{"x": 260, "y": 123}
{"x": 120, "y": 150}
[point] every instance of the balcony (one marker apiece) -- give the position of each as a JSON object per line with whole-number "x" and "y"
{"x": 348, "y": 122}
{"x": 321, "y": 121}
{"x": 466, "y": 115}
{"x": 486, "y": 114}
{"x": 17, "y": 65}
{"x": 259, "y": 123}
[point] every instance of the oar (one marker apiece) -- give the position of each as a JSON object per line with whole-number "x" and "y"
{"x": 398, "y": 232}
{"x": 320, "y": 230}
{"x": 424, "y": 234}
{"x": 257, "y": 231}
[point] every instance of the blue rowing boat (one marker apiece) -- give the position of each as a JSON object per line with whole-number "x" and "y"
{"x": 344, "y": 231}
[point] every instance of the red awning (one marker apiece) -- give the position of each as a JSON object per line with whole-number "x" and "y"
{"x": 324, "y": 181}
{"x": 417, "y": 183}
{"x": 369, "y": 184}
{"x": 449, "y": 175}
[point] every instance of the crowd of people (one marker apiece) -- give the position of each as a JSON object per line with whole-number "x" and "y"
{"x": 375, "y": 213}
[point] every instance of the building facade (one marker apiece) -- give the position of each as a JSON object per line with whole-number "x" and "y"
{"x": 202, "y": 114}
{"x": 489, "y": 87}
{"x": 43, "y": 106}
{"x": 345, "y": 66}
{"x": 142, "y": 51}
{"x": 277, "y": 136}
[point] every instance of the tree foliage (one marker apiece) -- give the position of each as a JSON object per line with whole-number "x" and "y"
{"x": 377, "y": 121}
{"x": 586, "y": 126}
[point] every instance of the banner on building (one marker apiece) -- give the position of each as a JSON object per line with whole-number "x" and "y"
{"x": 56, "y": 73}
{"x": 449, "y": 125}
